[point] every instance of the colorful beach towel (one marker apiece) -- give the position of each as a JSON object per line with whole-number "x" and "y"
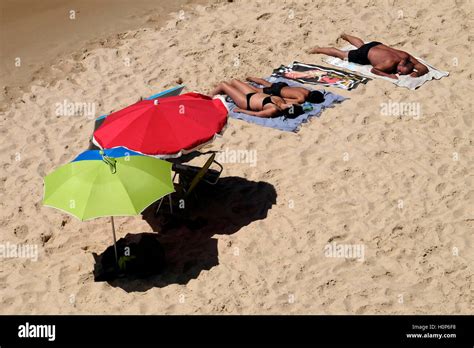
{"x": 283, "y": 123}
{"x": 319, "y": 75}
{"x": 403, "y": 81}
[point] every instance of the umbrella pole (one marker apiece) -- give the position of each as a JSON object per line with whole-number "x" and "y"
{"x": 115, "y": 240}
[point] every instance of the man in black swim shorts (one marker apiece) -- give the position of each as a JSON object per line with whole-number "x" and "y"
{"x": 361, "y": 55}
{"x": 386, "y": 61}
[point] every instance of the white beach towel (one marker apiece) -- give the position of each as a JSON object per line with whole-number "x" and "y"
{"x": 403, "y": 80}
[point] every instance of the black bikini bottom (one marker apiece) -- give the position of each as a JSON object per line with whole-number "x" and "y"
{"x": 249, "y": 96}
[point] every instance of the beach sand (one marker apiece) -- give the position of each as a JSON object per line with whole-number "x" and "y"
{"x": 401, "y": 187}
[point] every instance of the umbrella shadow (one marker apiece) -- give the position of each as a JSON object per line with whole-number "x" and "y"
{"x": 188, "y": 243}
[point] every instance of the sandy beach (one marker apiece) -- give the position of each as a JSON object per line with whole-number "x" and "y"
{"x": 400, "y": 187}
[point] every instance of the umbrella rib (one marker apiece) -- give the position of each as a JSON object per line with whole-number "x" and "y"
{"x": 178, "y": 140}
{"x": 199, "y": 124}
{"x": 125, "y": 128}
{"x": 120, "y": 179}
{"x": 128, "y": 194}
{"x": 148, "y": 129}
{"x": 171, "y": 126}
{"x": 159, "y": 179}
{"x": 90, "y": 193}
{"x": 196, "y": 122}
{"x": 154, "y": 177}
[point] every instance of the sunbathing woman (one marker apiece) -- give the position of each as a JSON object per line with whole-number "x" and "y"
{"x": 297, "y": 95}
{"x": 254, "y": 103}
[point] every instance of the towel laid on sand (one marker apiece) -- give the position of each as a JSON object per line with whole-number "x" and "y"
{"x": 403, "y": 81}
{"x": 283, "y": 123}
{"x": 319, "y": 75}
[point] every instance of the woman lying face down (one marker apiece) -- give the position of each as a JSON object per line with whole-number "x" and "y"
{"x": 253, "y": 101}
{"x": 297, "y": 95}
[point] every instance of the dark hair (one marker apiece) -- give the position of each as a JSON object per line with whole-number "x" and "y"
{"x": 405, "y": 63}
{"x": 293, "y": 111}
{"x": 315, "y": 97}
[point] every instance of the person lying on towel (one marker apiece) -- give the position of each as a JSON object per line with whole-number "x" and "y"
{"x": 386, "y": 61}
{"x": 258, "y": 104}
{"x": 297, "y": 95}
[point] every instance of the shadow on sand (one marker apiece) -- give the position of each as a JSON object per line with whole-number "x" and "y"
{"x": 188, "y": 243}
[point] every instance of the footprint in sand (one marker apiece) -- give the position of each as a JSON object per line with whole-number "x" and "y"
{"x": 442, "y": 170}
{"x": 21, "y": 231}
{"x": 25, "y": 163}
{"x": 65, "y": 221}
{"x": 20, "y": 180}
{"x": 440, "y": 187}
{"x": 45, "y": 237}
{"x": 264, "y": 16}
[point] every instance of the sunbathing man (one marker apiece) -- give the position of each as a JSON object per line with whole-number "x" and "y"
{"x": 255, "y": 103}
{"x": 296, "y": 95}
{"x": 386, "y": 61}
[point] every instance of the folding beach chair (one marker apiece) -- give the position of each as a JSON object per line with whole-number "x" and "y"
{"x": 189, "y": 177}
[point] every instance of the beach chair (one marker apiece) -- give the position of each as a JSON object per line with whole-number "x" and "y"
{"x": 189, "y": 177}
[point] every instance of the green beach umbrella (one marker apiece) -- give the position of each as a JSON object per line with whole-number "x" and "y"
{"x": 97, "y": 185}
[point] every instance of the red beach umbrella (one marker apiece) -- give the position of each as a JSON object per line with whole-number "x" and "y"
{"x": 166, "y": 127}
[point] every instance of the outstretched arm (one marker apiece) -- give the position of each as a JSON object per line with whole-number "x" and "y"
{"x": 264, "y": 113}
{"x": 260, "y": 81}
{"x": 293, "y": 101}
{"x": 421, "y": 69}
{"x": 380, "y": 69}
